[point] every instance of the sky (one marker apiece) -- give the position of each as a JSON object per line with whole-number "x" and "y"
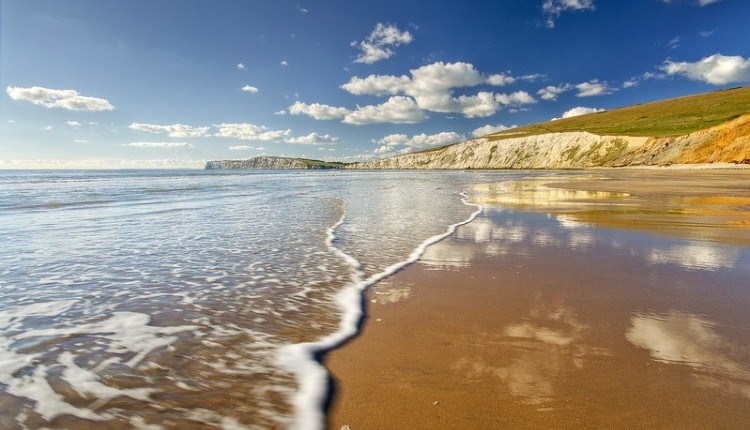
{"x": 173, "y": 83}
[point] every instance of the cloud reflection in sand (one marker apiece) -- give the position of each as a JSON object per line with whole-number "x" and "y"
{"x": 693, "y": 341}
{"x": 696, "y": 256}
{"x": 540, "y": 348}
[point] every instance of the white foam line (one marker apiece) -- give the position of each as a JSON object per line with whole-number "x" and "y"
{"x": 299, "y": 359}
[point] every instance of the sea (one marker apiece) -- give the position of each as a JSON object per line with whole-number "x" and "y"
{"x": 190, "y": 299}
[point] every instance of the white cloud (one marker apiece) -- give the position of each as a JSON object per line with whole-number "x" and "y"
{"x": 284, "y": 63}
{"x": 172, "y": 130}
{"x": 250, "y": 89}
{"x": 318, "y": 111}
{"x": 315, "y": 139}
{"x": 517, "y": 98}
{"x": 707, "y": 33}
{"x": 378, "y": 85}
{"x": 73, "y": 123}
{"x": 716, "y": 69}
{"x": 65, "y": 99}
{"x": 240, "y": 66}
{"x": 280, "y": 112}
{"x": 398, "y": 109}
{"x": 593, "y": 88}
{"x": 489, "y": 129}
{"x": 48, "y": 128}
{"x": 247, "y": 131}
{"x": 630, "y": 83}
{"x": 378, "y": 44}
{"x": 160, "y": 144}
{"x": 553, "y": 8}
{"x": 431, "y": 87}
{"x": 500, "y": 79}
{"x": 390, "y": 143}
{"x": 580, "y": 110}
{"x": 700, "y": 3}
{"x": 81, "y": 141}
{"x": 551, "y": 92}
{"x": 241, "y": 148}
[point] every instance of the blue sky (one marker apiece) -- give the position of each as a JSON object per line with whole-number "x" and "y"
{"x": 101, "y": 83}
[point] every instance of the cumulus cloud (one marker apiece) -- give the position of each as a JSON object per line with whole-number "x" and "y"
{"x": 318, "y": 111}
{"x": 247, "y": 131}
{"x": 593, "y": 88}
{"x": 398, "y": 110}
{"x": 378, "y": 45}
{"x": 401, "y": 143}
{"x": 554, "y": 8}
{"x": 580, "y": 110}
{"x": 160, "y": 144}
{"x": 172, "y": 130}
{"x": 500, "y": 79}
{"x": 242, "y": 148}
{"x": 65, "y": 99}
{"x": 73, "y": 123}
{"x": 715, "y": 69}
{"x": 240, "y": 66}
{"x": 249, "y": 89}
{"x": 431, "y": 87}
{"x": 284, "y": 63}
{"x": 489, "y": 129}
{"x": 551, "y": 92}
{"x": 315, "y": 139}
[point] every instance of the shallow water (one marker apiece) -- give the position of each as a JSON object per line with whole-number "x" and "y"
{"x": 540, "y": 320}
{"x": 162, "y": 299}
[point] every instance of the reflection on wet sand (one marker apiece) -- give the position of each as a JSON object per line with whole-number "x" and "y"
{"x": 696, "y": 256}
{"x": 691, "y": 340}
{"x": 545, "y": 320}
{"x": 709, "y": 205}
{"x": 540, "y": 348}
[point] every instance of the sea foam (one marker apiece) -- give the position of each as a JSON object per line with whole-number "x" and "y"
{"x": 302, "y": 359}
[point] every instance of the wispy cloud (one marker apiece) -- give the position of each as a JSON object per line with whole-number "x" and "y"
{"x": 594, "y": 88}
{"x": 250, "y": 89}
{"x": 172, "y": 130}
{"x": 380, "y": 43}
{"x": 554, "y": 8}
{"x": 65, "y": 99}
{"x": 159, "y": 144}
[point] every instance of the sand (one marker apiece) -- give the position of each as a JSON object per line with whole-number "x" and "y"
{"x": 538, "y": 317}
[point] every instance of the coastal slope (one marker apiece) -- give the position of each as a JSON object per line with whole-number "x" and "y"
{"x": 271, "y": 163}
{"x": 703, "y": 128}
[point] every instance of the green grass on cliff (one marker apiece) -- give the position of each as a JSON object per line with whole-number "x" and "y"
{"x": 671, "y": 117}
{"x": 322, "y": 164}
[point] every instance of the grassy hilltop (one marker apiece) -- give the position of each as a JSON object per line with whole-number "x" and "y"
{"x": 671, "y": 117}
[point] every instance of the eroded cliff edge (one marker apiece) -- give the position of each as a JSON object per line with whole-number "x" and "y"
{"x": 271, "y": 163}
{"x": 725, "y": 143}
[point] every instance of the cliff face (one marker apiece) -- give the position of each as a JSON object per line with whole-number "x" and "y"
{"x": 728, "y": 142}
{"x": 264, "y": 163}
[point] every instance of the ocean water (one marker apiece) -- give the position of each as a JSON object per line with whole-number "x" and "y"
{"x": 192, "y": 299}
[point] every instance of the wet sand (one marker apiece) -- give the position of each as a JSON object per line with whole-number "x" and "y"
{"x": 544, "y": 318}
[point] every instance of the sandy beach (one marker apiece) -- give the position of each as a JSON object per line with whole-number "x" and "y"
{"x": 607, "y": 299}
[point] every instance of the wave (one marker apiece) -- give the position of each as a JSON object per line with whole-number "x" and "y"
{"x": 303, "y": 360}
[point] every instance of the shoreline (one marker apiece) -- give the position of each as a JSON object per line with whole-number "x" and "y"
{"x": 306, "y": 360}
{"x": 503, "y": 326}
